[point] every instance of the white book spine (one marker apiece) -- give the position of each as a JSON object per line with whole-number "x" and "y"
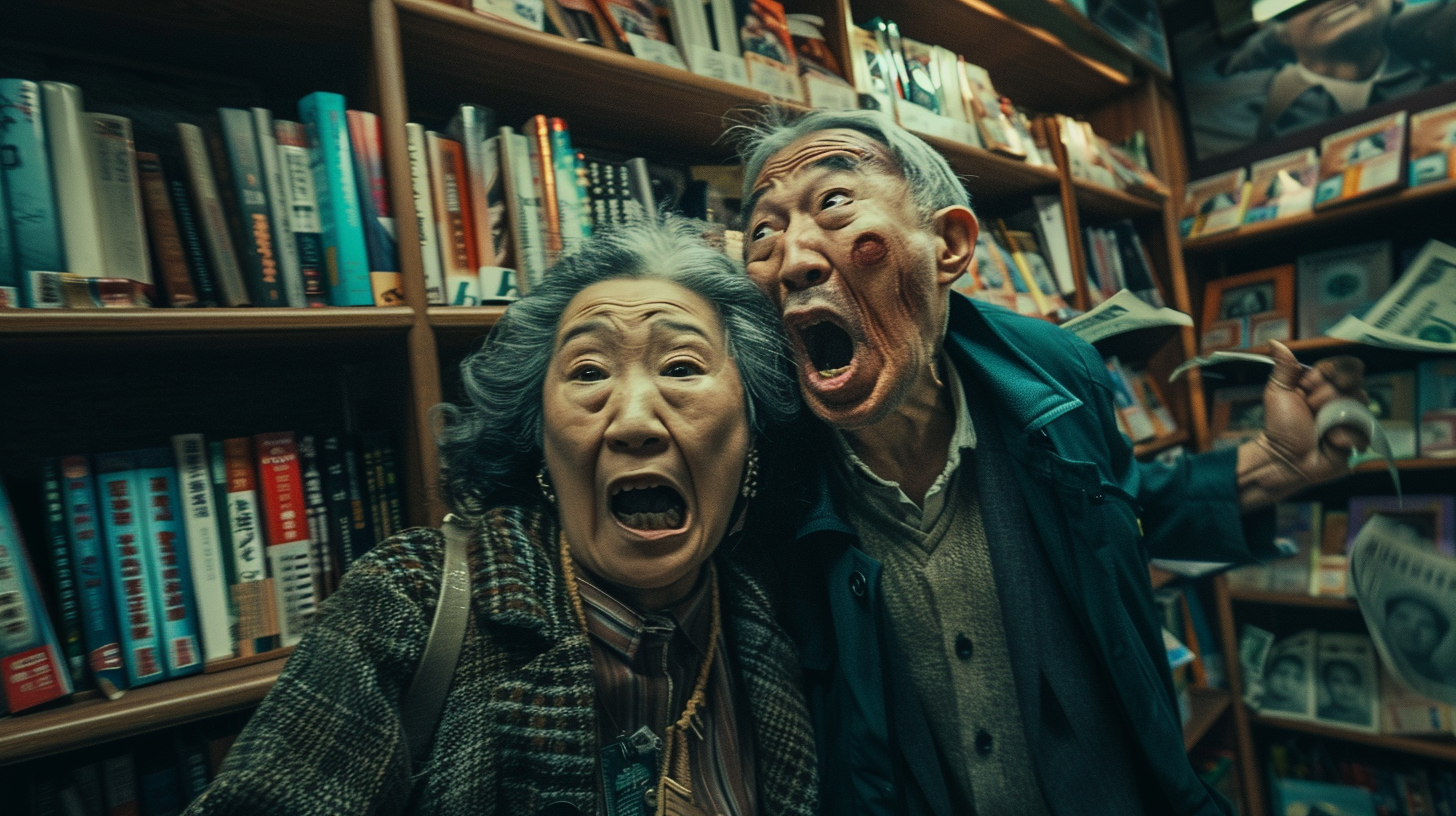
{"x": 215, "y": 231}
{"x": 119, "y": 195}
{"x": 291, "y": 565}
{"x": 425, "y": 214}
{"x": 204, "y": 547}
{"x": 1054, "y": 231}
{"x": 726, "y": 23}
{"x": 284, "y": 247}
{"x": 521, "y": 186}
{"x": 73, "y": 167}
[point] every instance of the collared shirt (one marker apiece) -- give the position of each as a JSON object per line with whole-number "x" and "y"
{"x": 887, "y": 496}
{"x": 1349, "y": 94}
{"x": 645, "y": 665}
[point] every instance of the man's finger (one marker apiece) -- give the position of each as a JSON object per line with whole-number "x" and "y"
{"x": 1287, "y": 371}
{"x": 1344, "y": 372}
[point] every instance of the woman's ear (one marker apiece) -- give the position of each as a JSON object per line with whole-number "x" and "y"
{"x": 956, "y": 229}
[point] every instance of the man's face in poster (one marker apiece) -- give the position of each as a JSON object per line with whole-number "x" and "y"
{"x": 1346, "y": 28}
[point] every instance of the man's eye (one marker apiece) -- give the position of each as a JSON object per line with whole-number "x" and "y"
{"x": 834, "y": 200}
{"x": 589, "y": 374}
{"x": 682, "y": 370}
{"x": 761, "y": 232}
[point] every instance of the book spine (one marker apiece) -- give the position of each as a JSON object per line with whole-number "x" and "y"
{"x": 310, "y": 463}
{"x": 162, "y": 225}
{"x": 222, "y": 258}
{"x": 452, "y": 211}
{"x": 375, "y": 210}
{"x": 119, "y": 198}
{"x": 285, "y": 249}
{"x": 476, "y": 124}
{"x": 340, "y": 510}
{"x": 495, "y": 200}
{"x": 189, "y": 232}
{"x": 373, "y": 480}
{"x": 364, "y": 531}
{"x": 574, "y": 227}
{"x": 98, "y": 612}
{"x": 389, "y": 465}
{"x": 425, "y": 214}
{"x": 204, "y": 547}
{"x": 639, "y": 186}
{"x": 583, "y": 193}
{"x": 166, "y": 555}
{"x": 63, "y": 572}
{"x": 254, "y": 225}
{"x": 543, "y": 177}
{"x": 597, "y": 195}
{"x": 73, "y": 161}
{"x": 345, "y": 257}
{"x": 290, "y": 559}
{"x": 119, "y": 773}
{"x": 134, "y": 591}
{"x": 217, "y": 469}
{"x": 35, "y": 219}
{"x": 252, "y": 590}
{"x": 523, "y": 204}
{"x": 629, "y": 208}
{"x": 31, "y": 669}
{"x": 303, "y": 210}
{"x": 10, "y": 277}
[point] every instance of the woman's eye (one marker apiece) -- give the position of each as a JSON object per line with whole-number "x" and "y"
{"x": 682, "y": 370}
{"x": 834, "y": 200}
{"x": 589, "y": 374}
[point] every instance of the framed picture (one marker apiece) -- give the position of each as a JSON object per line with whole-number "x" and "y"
{"x": 1393, "y": 402}
{"x": 1361, "y": 160}
{"x": 1423, "y": 519}
{"x": 1433, "y": 145}
{"x": 1289, "y": 678}
{"x": 1340, "y": 281}
{"x": 1256, "y": 299}
{"x": 1347, "y": 682}
{"x": 1282, "y": 187}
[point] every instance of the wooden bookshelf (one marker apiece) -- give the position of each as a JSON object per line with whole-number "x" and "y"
{"x": 465, "y": 317}
{"x": 1096, "y": 32}
{"x": 172, "y": 702}
{"x": 1208, "y": 705}
{"x": 1264, "y": 596}
{"x": 72, "y": 322}
{"x": 1106, "y": 204}
{"x": 1438, "y": 194}
{"x": 990, "y": 175}
{"x": 1443, "y": 750}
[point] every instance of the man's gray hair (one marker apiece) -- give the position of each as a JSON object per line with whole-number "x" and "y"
{"x": 490, "y": 451}
{"x": 933, "y": 185}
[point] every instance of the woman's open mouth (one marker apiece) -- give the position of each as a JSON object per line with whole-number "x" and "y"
{"x": 648, "y": 509}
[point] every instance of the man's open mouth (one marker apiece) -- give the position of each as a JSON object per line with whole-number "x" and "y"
{"x": 648, "y": 508}
{"x": 829, "y": 347}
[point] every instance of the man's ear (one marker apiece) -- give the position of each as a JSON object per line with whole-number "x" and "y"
{"x": 957, "y": 229}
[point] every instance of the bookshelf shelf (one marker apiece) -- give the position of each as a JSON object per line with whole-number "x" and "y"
{"x": 1442, "y": 194}
{"x": 1152, "y": 446}
{"x": 1441, "y": 750}
{"x": 991, "y": 175}
{"x": 88, "y": 722}
{"x": 1208, "y": 704}
{"x": 1096, "y": 32}
{"x": 193, "y": 321}
{"x": 1264, "y": 596}
{"x": 1097, "y": 202}
{"x": 1378, "y": 466}
{"x": 465, "y": 317}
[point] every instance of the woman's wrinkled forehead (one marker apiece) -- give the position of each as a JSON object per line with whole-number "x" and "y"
{"x": 820, "y": 146}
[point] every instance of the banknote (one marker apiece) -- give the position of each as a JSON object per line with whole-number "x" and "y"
{"x": 1123, "y": 312}
{"x": 1254, "y": 646}
{"x": 1407, "y": 594}
{"x": 1419, "y": 311}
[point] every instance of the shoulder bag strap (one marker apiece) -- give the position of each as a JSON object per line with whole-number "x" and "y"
{"x": 425, "y": 700}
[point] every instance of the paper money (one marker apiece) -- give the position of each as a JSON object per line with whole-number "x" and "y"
{"x": 1254, "y": 646}
{"x": 1407, "y": 594}
{"x": 1123, "y": 312}
{"x": 1219, "y": 357}
{"x": 1419, "y": 311}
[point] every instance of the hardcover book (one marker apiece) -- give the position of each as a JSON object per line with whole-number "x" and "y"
{"x": 376, "y": 212}
{"x": 523, "y": 206}
{"x": 320, "y": 536}
{"x": 341, "y": 504}
{"x": 471, "y": 127}
{"x": 252, "y": 589}
{"x": 425, "y": 214}
{"x": 345, "y": 253}
{"x": 35, "y": 221}
{"x": 199, "y": 511}
{"x": 176, "y": 281}
{"x": 537, "y": 131}
{"x": 32, "y": 670}
{"x": 285, "y": 248}
{"x": 119, "y": 200}
{"x": 94, "y": 585}
{"x": 1361, "y": 160}
{"x": 189, "y": 232}
{"x": 575, "y": 225}
{"x": 70, "y": 138}
{"x": 222, "y": 258}
{"x": 165, "y": 549}
{"x": 240, "y": 170}
{"x": 290, "y": 557}
{"x": 303, "y": 209}
{"x": 458, "y": 254}
{"x": 134, "y": 589}
{"x": 65, "y": 593}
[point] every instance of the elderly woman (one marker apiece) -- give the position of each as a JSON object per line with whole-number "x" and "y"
{"x": 612, "y": 663}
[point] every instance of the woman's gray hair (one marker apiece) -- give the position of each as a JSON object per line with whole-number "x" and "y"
{"x": 933, "y": 184}
{"x": 490, "y": 450}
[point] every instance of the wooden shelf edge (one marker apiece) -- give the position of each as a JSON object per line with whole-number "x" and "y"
{"x": 465, "y": 317}
{"x": 1378, "y": 466}
{"x": 1208, "y": 704}
{"x": 172, "y": 702}
{"x": 1445, "y": 751}
{"x": 1160, "y": 444}
{"x": 1103, "y": 201}
{"x": 1251, "y": 233}
{"x": 1085, "y": 23}
{"x": 1105, "y": 71}
{"x": 1265, "y": 596}
{"x": 164, "y": 321}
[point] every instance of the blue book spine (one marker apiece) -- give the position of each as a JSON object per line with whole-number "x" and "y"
{"x": 32, "y": 670}
{"x": 25, "y": 160}
{"x": 98, "y": 612}
{"x": 134, "y": 591}
{"x": 345, "y": 255}
{"x": 63, "y": 572}
{"x": 9, "y": 268}
{"x": 166, "y": 556}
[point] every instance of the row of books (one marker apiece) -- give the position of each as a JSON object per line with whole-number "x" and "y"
{"x": 1096, "y": 160}
{"x": 1416, "y": 408}
{"x": 1023, "y": 264}
{"x": 243, "y": 210}
{"x": 165, "y": 559}
{"x": 1193, "y": 656}
{"x": 1313, "y": 775}
{"x": 1320, "y": 539}
{"x": 1356, "y": 162}
{"x": 497, "y": 207}
{"x": 1142, "y": 412}
{"x": 1117, "y": 260}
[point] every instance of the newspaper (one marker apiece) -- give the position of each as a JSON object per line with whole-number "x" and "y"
{"x": 1123, "y": 312}
{"x": 1254, "y": 644}
{"x": 1419, "y": 311}
{"x": 1407, "y": 594}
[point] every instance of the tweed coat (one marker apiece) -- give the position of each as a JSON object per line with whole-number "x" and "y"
{"x": 518, "y": 733}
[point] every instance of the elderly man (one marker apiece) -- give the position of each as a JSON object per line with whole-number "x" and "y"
{"x": 973, "y": 613}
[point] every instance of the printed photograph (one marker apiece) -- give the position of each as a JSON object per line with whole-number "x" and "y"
{"x": 1246, "y": 301}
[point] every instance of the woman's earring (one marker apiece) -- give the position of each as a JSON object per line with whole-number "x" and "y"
{"x": 750, "y": 475}
{"x": 545, "y": 482}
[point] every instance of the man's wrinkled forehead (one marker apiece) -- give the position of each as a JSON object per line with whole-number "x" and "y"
{"x": 839, "y": 145}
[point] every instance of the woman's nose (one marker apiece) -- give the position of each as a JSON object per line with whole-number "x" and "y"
{"x": 636, "y": 426}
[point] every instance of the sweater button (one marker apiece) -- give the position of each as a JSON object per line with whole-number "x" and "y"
{"x": 964, "y": 648}
{"x": 1098, "y": 497}
{"x": 858, "y": 584}
{"x": 984, "y": 743}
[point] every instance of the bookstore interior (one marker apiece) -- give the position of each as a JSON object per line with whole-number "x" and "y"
{"x": 246, "y": 246}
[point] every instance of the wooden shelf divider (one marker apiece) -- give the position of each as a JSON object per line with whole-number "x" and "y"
{"x": 1265, "y": 596}
{"x": 1434, "y": 749}
{"x": 192, "y": 321}
{"x": 1099, "y": 202}
{"x": 1208, "y": 704}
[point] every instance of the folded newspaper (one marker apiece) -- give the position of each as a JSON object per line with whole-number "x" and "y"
{"x": 1418, "y": 313}
{"x": 1123, "y": 312}
{"x": 1407, "y": 594}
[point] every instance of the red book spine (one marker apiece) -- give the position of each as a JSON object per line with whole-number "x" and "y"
{"x": 284, "y": 505}
{"x": 166, "y": 242}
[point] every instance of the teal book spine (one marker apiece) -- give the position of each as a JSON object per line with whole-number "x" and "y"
{"x": 134, "y": 591}
{"x": 346, "y": 257}
{"x": 93, "y": 575}
{"x": 166, "y": 555}
{"x": 35, "y": 224}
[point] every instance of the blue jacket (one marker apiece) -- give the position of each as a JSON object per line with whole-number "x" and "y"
{"x": 1088, "y": 499}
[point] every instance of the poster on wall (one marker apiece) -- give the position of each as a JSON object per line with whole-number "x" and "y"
{"x": 1251, "y": 82}
{"x": 1134, "y": 23}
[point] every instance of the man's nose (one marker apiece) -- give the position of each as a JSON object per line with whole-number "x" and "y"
{"x": 805, "y": 264}
{"x": 636, "y": 424}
